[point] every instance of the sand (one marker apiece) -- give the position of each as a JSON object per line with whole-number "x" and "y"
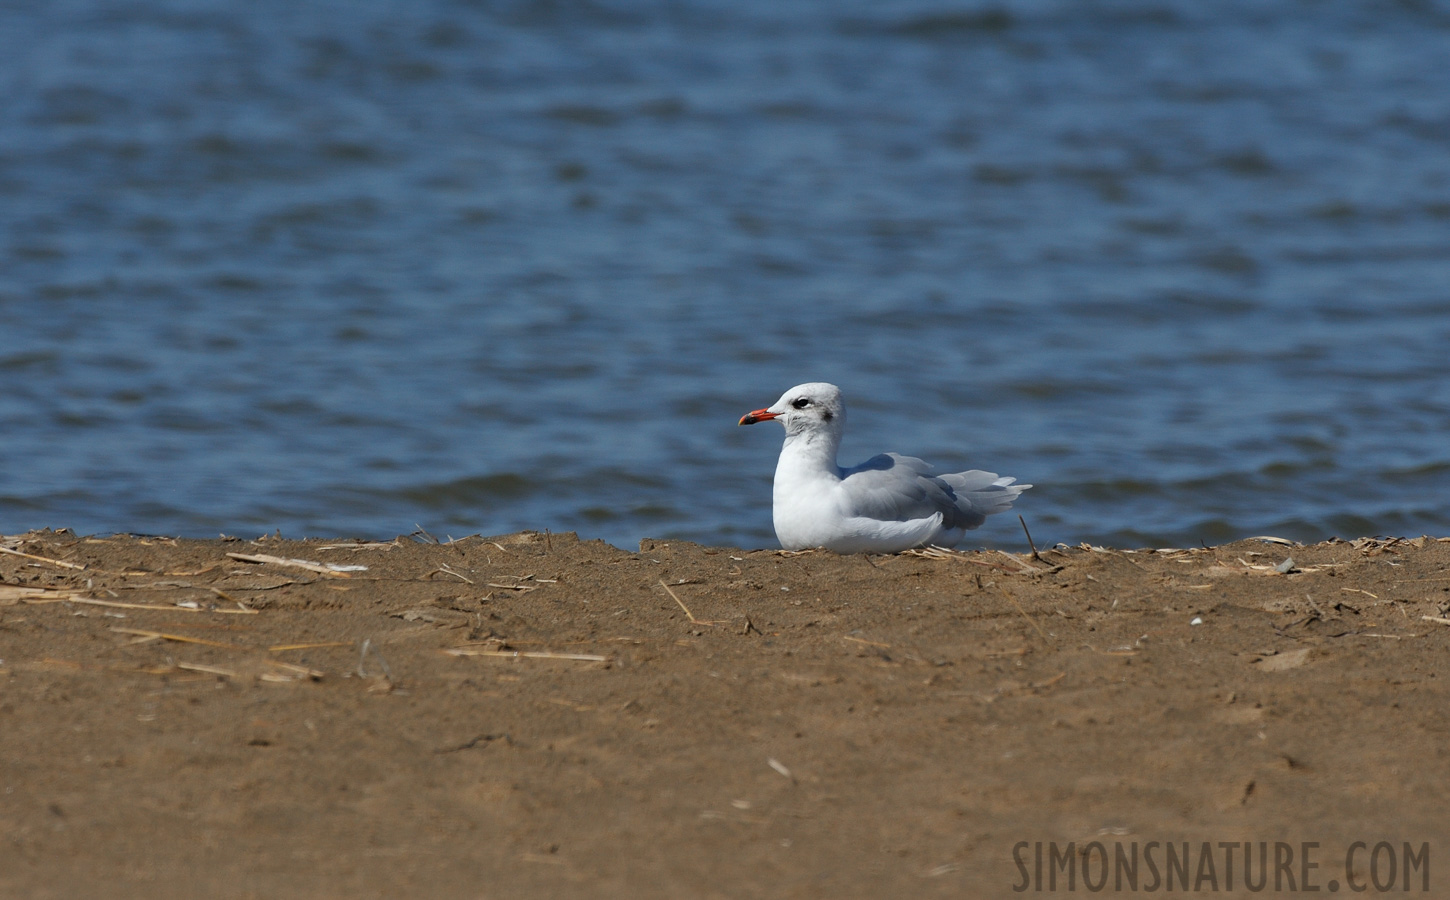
{"x": 535, "y": 715}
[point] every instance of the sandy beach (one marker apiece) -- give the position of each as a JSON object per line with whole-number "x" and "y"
{"x": 535, "y": 715}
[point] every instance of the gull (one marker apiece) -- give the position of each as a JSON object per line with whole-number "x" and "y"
{"x": 887, "y": 504}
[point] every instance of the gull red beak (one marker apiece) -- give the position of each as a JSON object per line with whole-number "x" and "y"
{"x": 760, "y": 415}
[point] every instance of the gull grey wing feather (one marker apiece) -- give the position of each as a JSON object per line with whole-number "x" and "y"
{"x": 897, "y": 488}
{"x": 892, "y": 487}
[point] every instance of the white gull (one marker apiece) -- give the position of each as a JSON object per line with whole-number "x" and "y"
{"x": 887, "y": 504}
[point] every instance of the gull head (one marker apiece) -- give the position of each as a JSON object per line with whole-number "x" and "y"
{"x": 805, "y": 409}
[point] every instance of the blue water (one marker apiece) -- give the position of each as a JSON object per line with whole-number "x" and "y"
{"x": 347, "y": 269}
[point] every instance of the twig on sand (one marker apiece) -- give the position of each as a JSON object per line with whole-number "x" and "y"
{"x": 688, "y": 614}
{"x": 676, "y": 598}
{"x": 525, "y": 654}
{"x": 484, "y": 739}
{"x": 163, "y": 636}
{"x": 934, "y": 552}
{"x": 291, "y": 672}
{"x": 209, "y": 670}
{"x": 44, "y": 559}
{"x": 16, "y": 593}
{"x": 1030, "y": 542}
{"x": 332, "y": 570}
{"x": 156, "y": 606}
{"x": 448, "y": 570}
{"x": 362, "y": 545}
{"x": 1438, "y": 620}
{"x": 287, "y": 672}
{"x": 1030, "y": 621}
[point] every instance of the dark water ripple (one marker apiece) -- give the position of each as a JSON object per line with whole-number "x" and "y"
{"x": 349, "y": 269}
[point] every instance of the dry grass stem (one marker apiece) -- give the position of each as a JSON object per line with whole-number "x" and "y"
{"x": 1031, "y": 543}
{"x": 280, "y": 647}
{"x": 210, "y": 670}
{"x": 163, "y": 636}
{"x": 1050, "y": 682}
{"x": 525, "y": 654}
{"x": 1028, "y": 567}
{"x": 688, "y": 614}
{"x": 932, "y": 552}
{"x": 227, "y": 597}
{"x": 1030, "y": 621}
{"x": 154, "y": 606}
{"x": 295, "y": 670}
{"x": 943, "y": 553}
{"x": 446, "y": 570}
{"x": 329, "y": 569}
{"x": 35, "y": 595}
{"x": 44, "y": 559}
{"x": 681, "y": 603}
{"x": 369, "y": 545}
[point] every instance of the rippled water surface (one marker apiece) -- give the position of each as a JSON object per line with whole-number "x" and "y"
{"x": 352, "y": 268}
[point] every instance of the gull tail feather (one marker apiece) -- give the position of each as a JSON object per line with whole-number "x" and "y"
{"x": 981, "y": 494}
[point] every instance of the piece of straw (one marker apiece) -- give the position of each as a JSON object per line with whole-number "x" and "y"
{"x": 525, "y": 654}
{"x": 44, "y": 559}
{"x": 156, "y": 606}
{"x": 160, "y": 635}
{"x": 327, "y": 569}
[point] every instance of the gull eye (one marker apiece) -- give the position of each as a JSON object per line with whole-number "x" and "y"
{"x": 801, "y": 403}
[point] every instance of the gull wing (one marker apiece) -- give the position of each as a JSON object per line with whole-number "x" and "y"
{"x": 901, "y": 488}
